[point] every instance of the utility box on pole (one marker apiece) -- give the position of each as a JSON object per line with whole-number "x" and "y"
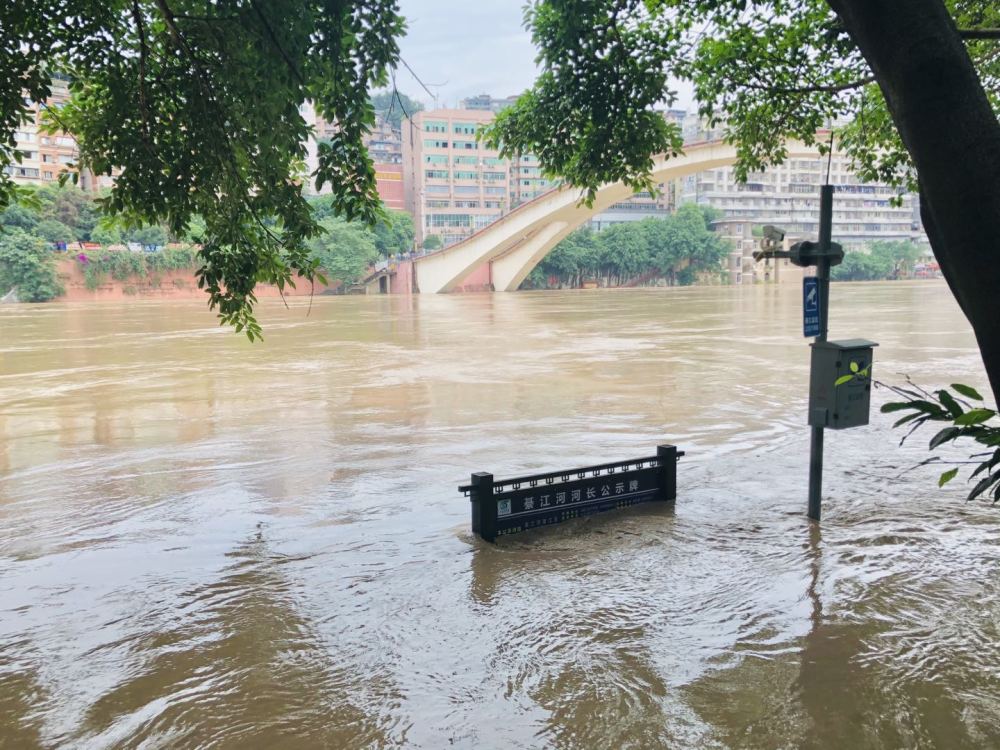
{"x": 840, "y": 383}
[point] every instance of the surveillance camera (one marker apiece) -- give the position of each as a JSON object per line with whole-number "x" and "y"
{"x": 773, "y": 234}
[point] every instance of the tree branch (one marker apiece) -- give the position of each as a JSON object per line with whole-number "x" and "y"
{"x": 207, "y": 19}
{"x": 277, "y": 45}
{"x": 143, "y": 58}
{"x": 979, "y": 33}
{"x": 832, "y": 89}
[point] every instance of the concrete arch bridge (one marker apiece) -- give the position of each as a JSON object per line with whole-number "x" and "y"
{"x": 514, "y": 244}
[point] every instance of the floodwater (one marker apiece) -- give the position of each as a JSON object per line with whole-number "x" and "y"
{"x": 210, "y": 544}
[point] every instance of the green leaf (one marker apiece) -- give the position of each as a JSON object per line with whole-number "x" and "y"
{"x": 950, "y": 403}
{"x": 932, "y": 410}
{"x": 975, "y": 416}
{"x": 897, "y": 406}
{"x": 843, "y": 379}
{"x": 907, "y": 418}
{"x": 854, "y": 367}
{"x": 967, "y": 391}
{"x": 983, "y": 485}
{"x": 987, "y": 465}
{"x": 947, "y": 477}
{"x": 948, "y": 433}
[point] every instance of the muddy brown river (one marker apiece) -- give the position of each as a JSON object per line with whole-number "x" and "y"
{"x": 210, "y": 544}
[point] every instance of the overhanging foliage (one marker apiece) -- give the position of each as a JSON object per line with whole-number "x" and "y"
{"x": 195, "y": 105}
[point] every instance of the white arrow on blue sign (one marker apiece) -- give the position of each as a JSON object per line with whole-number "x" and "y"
{"x": 810, "y": 306}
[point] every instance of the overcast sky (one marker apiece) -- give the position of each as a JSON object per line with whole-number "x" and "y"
{"x": 466, "y": 48}
{"x": 460, "y": 48}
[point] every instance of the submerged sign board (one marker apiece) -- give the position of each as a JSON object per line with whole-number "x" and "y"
{"x": 509, "y": 506}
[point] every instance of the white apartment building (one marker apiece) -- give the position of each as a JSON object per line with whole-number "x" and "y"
{"x": 788, "y": 196}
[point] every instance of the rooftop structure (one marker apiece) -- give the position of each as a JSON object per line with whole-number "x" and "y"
{"x": 486, "y": 103}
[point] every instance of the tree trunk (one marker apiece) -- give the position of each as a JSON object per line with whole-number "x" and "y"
{"x": 945, "y": 120}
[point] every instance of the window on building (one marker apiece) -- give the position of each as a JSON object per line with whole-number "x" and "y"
{"x": 465, "y": 175}
{"x": 494, "y": 176}
{"x": 438, "y": 204}
{"x": 465, "y": 128}
{"x": 468, "y": 145}
{"x": 438, "y": 189}
{"x": 466, "y": 190}
{"x": 436, "y": 174}
{"x": 436, "y": 159}
{"x": 431, "y": 143}
{"x": 495, "y": 190}
{"x": 448, "y": 220}
{"x": 435, "y": 126}
{"x": 47, "y": 175}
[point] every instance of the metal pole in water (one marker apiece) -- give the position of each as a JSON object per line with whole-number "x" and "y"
{"x": 823, "y": 276}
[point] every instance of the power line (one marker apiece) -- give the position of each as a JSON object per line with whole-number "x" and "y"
{"x": 418, "y": 80}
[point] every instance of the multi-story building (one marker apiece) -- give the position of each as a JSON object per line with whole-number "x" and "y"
{"x": 384, "y": 145}
{"x": 787, "y": 195}
{"x": 526, "y": 180}
{"x": 384, "y": 142}
{"x": 43, "y": 156}
{"x": 454, "y": 184}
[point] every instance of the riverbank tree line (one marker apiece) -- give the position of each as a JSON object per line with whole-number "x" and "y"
{"x": 674, "y": 250}
{"x": 50, "y": 216}
{"x": 883, "y": 260}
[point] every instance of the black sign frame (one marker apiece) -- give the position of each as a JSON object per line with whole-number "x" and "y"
{"x": 509, "y": 506}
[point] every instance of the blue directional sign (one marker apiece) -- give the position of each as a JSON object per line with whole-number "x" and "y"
{"x": 810, "y": 306}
